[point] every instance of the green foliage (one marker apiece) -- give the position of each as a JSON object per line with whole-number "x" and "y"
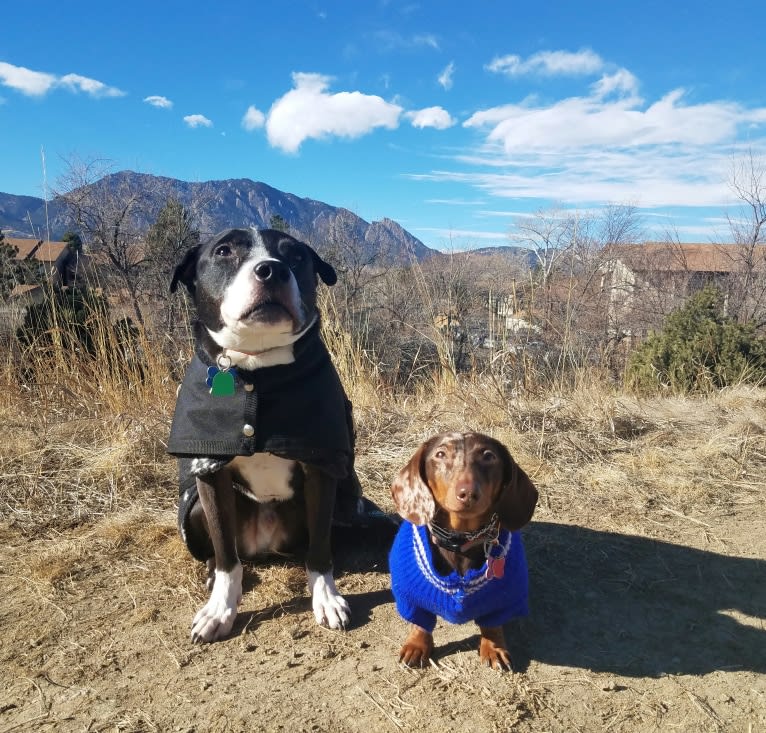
{"x": 167, "y": 241}
{"x": 13, "y": 272}
{"x": 171, "y": 235}
{"x": 277, "y": 221}
{"x": 73, "y": 241}
{"x": 69, "y": 318}
{"x": 698, "y": 349}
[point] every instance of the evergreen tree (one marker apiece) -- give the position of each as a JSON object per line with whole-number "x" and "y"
{"x": 277, "y": 221}
{"x": 73, "y": 241}
{"x": 168, "y": 239}
{"x": 71, "y": 317}
{"x": 13, "y": 272}
{"x": 699, "y": 348}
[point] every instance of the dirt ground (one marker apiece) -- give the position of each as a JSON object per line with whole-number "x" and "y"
{"x": 657, "y": 627}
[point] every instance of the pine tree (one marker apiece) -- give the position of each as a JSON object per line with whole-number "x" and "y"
{"x": 13, "y": 272}
{"x": 168, "y": 239}
{"x": 277, "y": 221}
{"x": 699, "y": 348}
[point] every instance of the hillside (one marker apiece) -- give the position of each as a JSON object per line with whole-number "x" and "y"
{"x": 218, "y": 205}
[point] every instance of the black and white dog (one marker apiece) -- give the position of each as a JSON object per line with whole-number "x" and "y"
{"x": 262, "y": 426}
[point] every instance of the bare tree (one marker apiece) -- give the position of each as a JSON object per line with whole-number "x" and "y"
{"x": 109, "y": 215}
{"x": 356, "y": 262}
{"x": 619, "y": 224}
{"x": 548, "y": 236}
{"x": 747, "y": 180}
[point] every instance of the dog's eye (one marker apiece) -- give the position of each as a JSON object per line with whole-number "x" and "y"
{"x": 223, "y": 250}
{"x": 440, "y": 454}
{"x": 488, "y": 456}
{"x": 296, "y": 258}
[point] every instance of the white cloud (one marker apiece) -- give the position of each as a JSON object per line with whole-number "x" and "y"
{"x": 436, "y": 117}
{"x": 158, "y": 101}
{"x": 605, "y": 144}
{"x": 197, "y": 121}
{"x": 621, "y": 81}
{"x": 445, "y": 78}
{"x": 548, "y": 63}
{"x": 452, "y": 239}
{"x": 94, "y": 88}
{"x": 393, "y": 41}
{"x": 456, "y": 202}
{"x": 609, "y": 146}
{"x": 253, "y": 118}
{"x": 39, "y": 83}
{"x": 26, "y": 81}
{"x": 579, "y": 122}
{"x": 309, "y": 112}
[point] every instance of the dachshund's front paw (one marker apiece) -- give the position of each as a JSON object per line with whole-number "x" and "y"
{"x": 417, "y": 648}
{"x": 492, "y": 651}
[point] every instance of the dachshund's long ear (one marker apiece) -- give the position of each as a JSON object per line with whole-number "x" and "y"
{"x": 518, "y": 497}
{"x": 324, "y": 269}
{"x": 412, "y": 497}
{"x": 186, "y": 271}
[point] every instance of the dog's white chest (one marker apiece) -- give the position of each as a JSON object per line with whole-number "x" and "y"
{"x": 264, "y": 476}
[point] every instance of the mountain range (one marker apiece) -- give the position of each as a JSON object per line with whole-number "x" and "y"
{"x": 218, "y": 205}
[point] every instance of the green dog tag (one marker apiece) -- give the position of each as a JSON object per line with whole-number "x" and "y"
{"x": 223, "y": 385}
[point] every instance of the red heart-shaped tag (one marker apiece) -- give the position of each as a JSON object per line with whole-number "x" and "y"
{"x": 495, "y": 567}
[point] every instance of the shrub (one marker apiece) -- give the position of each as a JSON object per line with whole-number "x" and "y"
{"x": 698, "y": 349}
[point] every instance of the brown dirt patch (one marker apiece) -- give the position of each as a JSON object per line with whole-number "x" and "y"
{"x": 627, "y": 632}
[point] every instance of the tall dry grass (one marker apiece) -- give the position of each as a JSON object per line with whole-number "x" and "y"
{"x": 85, "y": 428}
{"x": 84, "y": 433}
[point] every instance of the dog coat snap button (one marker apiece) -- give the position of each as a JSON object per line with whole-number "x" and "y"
{"x": 248, "y": 430}
{"x": 249, "y": 387}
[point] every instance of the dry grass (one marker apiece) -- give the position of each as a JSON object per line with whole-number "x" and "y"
{"x": 83, "y": 440}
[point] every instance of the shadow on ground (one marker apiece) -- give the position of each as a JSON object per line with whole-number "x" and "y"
{"x": 638, "y": 607}
{"x": 607, "y": 602}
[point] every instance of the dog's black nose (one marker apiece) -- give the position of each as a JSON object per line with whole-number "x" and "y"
{"x": 272, "y": 271}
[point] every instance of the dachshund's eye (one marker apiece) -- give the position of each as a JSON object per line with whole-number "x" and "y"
{"x": 488, "y": 456}
{"x": 223, "y": 250}
{"x": 440, "y": 454}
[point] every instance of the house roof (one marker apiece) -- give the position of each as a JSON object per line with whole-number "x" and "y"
{"x": 681, "y": 257}
{"x": 36, "y": 249}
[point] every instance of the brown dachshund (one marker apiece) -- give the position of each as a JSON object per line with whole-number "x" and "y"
{"x": 459, "y": 555}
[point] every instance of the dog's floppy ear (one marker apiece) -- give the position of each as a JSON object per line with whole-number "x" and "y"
{"x": 324, "y": 269}
{"x": 518, "y": 496}
{"x": 412, "y": 497}
{"x": 186, "y": 271}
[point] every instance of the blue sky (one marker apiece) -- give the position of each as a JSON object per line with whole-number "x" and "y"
{"x": 454, "y": 119}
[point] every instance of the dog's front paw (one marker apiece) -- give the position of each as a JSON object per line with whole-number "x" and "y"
{"x": 330, "y": 607}
{"x": 417, "y": 648}
{"x": 492, "y": 650}
{"x": 215, "y": 619}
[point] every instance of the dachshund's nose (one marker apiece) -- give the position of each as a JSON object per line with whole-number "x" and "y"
{"x": 466, "y": 492}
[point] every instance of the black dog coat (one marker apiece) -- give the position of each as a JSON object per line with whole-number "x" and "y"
{"x": 297, "y": 411}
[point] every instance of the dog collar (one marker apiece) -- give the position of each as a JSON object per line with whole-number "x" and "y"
{"x": 461, "y": 542}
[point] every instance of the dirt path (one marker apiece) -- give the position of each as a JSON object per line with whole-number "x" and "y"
{"x": 628, "y": 632}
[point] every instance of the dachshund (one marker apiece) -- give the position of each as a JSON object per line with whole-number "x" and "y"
{"x": 459, "y": 554}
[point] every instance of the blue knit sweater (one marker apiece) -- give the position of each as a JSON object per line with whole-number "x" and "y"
{"x": 421, "y": 594}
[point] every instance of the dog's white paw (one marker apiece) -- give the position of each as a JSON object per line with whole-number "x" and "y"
{"x": 330, "y": 607}
{"x": 215, "y": 619}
